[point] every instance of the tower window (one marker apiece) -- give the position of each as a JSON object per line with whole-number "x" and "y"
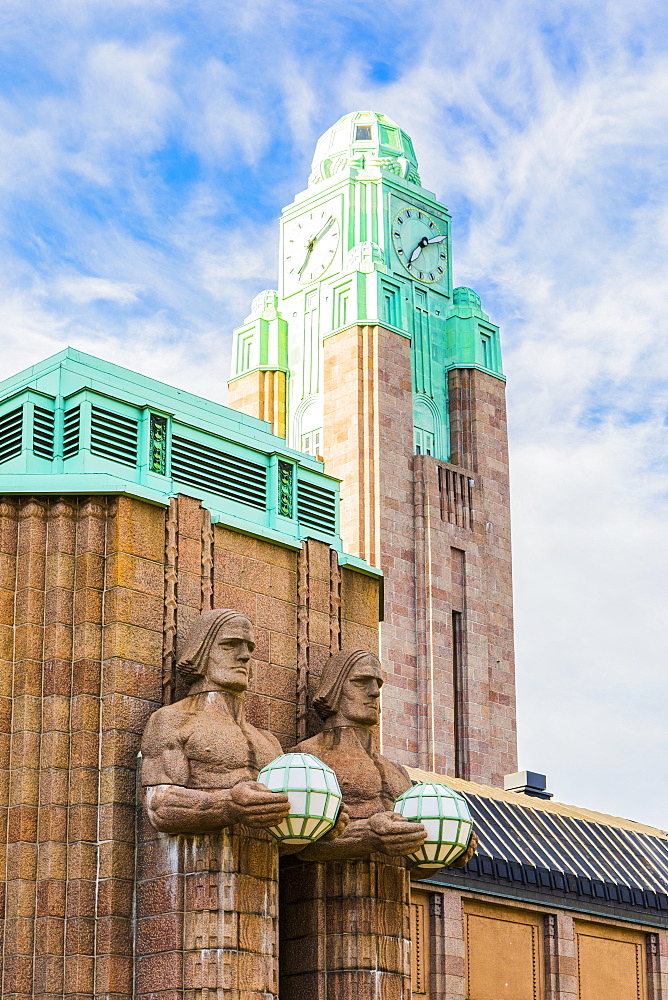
{"x": 424, "y": 442}
{"x": 486, "y": 350}
{"x": 391, "y": 305}
{"x": 362, "y": 132}
{"x": 458, "y": 692}
{"x": 311, "y": 442}
{"x": 244, "y": 357}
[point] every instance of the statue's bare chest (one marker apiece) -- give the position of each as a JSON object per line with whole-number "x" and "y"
{"x": 216, "y": 745}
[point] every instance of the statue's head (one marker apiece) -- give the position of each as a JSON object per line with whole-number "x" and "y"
{"x": 218, "y": 651}
{"x": 349, "y": 690}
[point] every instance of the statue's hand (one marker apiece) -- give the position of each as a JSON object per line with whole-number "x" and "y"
{"x": 466, "y": 857}
{"x": 253, "y": 804}
{"x": 342, "y": 821}
{"x": 395, "y": 835}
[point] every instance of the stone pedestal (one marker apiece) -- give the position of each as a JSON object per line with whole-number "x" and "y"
{"x": 345, "y": 930}
{"x": 207, "y": 909}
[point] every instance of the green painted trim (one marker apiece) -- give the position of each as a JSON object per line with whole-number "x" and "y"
{"x": 367, "y": 322}
{"x": 78, "y": 484}
{"x": 487, "y": 371}
{"x": 354, "y": 562}
{"x": 259, "y": 368}
{"x": 265, "y": 534}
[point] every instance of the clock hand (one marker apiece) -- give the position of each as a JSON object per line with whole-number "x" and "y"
{"x": 322, "y": 231}
{"x": 437, "y": 239}
{"x": 312, "y": 242}
{"x": 418, "y": 250}
{"x": 309, "y": 248}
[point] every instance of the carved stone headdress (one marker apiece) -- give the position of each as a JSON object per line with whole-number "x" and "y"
{"x": 335, "y": 674}
{"x": 199, "y": 641}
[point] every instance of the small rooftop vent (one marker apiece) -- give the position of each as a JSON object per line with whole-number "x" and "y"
{"x": 527, "y": 783}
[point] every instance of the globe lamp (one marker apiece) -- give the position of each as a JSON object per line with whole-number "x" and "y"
{"x": 445, "y": 815}
{"x": 314, "y": 793}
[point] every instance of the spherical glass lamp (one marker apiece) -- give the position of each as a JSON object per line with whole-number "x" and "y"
{"x": 314, "y": 793}
{"x": 446, "y": 817}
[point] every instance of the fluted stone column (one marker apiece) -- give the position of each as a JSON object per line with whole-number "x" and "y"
{"x": 345, "y": 930}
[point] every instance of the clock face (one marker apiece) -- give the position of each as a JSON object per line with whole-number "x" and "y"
{"x": 421, "y": 245}
{"x": 310, "y": 245}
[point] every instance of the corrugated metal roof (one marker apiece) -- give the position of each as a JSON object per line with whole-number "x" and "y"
{"x": 551, "y": 847}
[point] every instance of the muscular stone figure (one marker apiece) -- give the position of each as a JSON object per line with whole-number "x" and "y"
{"x": 348, "y": 701}
{"x": 200, "y": 756}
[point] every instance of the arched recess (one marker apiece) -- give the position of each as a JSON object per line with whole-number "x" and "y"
{"x": 428, "y": 426}
{"x": 307, "y": 423}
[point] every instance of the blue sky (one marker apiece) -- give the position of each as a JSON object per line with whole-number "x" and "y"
{"x": 148, "y": 147}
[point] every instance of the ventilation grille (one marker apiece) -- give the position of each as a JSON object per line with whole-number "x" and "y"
{"x": 316, "y": 507}
{"x": 216, "y": 472}
{"x": 71, "y": 432}
{"x": 11, "y": 427}
{"x": 113, "y": 436}
{"x": 43, "y": 431}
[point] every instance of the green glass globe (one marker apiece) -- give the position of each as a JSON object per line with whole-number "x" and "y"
{"x": 446, "y": 817}
{"x": 314, "y": 793}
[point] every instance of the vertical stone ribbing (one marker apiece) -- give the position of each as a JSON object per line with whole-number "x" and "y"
{"x": 437, "y": 943}
{"x": 657, "y": 965}
{"x": 454, "y": 946}
{"x": 171, "y": 603}
{"x": 207, "y": 561}
{"x": 189, "y": 564}
{"x": 18, "y": 981}
{"x": 302, "y": 641}
{"x": 83, "y": 794}
{"x": 230, "y": 916}
{"x": 54, "y": 751}
{"x": 345, "y": 930}
{"x": 334, "y": 602}
{"x": 561, "y": 968}
{"x": 261, "y": 394}
{"x": 8, "y": 543}
{"x": 130, "y": 689}
{"x": 424, "y": 622}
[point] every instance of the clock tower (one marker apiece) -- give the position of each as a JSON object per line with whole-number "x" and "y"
{"x": 368, "y": 357}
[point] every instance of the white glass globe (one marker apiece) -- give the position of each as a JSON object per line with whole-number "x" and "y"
{"x": 314, "y": 793}
{"x": 446, "y": 817}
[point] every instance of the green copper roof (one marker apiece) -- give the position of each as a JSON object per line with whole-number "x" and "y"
{"x": 364, "y": 139}
{"x": 75, "y": 424}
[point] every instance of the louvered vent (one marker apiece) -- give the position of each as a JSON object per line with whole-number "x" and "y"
{"x": 71, "y": 432}
{"x": 216, "y": 472}
{"x": 316, "y": 507}
{"x": 11, "y": 427}
{"x": 113, "y": 436}
{"x": 43, "y": 430}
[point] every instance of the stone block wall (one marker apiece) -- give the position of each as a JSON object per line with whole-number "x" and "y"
{"x": 261, "y": 394}
{"x": 440, "y": 532}
{"x": 81, "y": 673}
{"x": 95, "y": 593}
{"x": 368, "y": 444}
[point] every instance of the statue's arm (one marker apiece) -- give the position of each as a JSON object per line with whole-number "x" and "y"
{"x": 174, "y": 807}
{"x": 386, "y": 832}
{"x": 177, "y": 809}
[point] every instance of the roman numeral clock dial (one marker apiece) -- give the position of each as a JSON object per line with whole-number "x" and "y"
{"x": 420, "y": 244}
{"x": 311, "y": 243}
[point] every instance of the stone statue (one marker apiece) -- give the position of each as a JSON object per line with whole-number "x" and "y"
{"x": 200, "y": 755}
{"x": 348, "y": 700}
